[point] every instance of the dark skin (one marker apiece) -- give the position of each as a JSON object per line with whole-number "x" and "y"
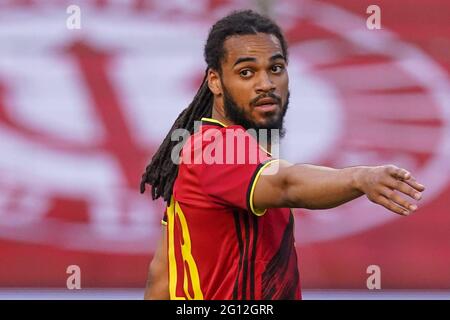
{"x": 157, "y": 287}
{"x": 254, "y": 65}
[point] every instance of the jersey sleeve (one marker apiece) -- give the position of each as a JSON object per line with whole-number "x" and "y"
{"x": 232, "y": 183}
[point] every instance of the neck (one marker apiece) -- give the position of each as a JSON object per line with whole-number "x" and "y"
{"x": 218, "y": 114}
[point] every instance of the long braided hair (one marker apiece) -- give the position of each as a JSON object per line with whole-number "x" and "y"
{"x": 161, "y": 172}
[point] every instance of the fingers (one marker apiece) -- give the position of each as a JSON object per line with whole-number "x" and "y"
{"x": 385, "y": 202}
{"x": 413, "y": 183}
{"x": 399, "y": 173}
{"x": 398, "y": 200}
{"x": 389, "y": 191}
{"x": 405, "y": 175}
{"x": 404, "y": 187}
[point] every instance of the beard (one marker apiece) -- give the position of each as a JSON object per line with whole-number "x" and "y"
{"x": 238, "y": 115}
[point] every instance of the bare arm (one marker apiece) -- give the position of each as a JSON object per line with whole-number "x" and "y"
{"x": 315, "y": 187}
{"x": 158, "y": 279}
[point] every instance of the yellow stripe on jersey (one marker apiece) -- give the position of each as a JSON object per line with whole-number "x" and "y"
{"x": 171, "y": 253}
{"x": 174, "y": 211}
{"x": 214, "y": 121}
{"x": 188, "y": 258}
{"x": 252, "y": 190}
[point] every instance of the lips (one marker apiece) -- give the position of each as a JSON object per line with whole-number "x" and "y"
{"x": 266, "y": 105}
{"x": 266, "y": 102}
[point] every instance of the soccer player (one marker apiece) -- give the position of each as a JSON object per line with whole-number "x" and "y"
{"x": 229, "y": 229}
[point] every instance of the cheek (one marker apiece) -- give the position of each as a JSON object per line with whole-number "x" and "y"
{"x": 242, "y": 96}
{"x": 283, "y": 90}
{"x": 284, "y": 85}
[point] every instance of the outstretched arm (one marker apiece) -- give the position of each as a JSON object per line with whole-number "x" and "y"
{"x": 316, "y": 187}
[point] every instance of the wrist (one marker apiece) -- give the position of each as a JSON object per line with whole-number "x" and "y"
{"x": 358, "y": 175}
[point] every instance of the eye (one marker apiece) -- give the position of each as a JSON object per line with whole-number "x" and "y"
{"x": 278, "y": 68}
{"x": 245, "y": 73}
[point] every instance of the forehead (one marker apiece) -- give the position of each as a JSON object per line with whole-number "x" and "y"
{"x": 260, "y": 45}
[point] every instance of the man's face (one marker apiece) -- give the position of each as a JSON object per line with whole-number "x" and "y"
{"x": 255, "y": 81}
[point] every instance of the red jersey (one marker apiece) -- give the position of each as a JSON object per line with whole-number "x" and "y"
{"x": 219, "y": 246}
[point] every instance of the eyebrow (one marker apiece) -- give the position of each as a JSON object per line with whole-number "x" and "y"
{"x": 244, "y": 59}
{"x": 251, "y": 59}
{"x": 277, "y": 56}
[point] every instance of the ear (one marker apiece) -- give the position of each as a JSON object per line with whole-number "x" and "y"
{"x": 214, "y": 82}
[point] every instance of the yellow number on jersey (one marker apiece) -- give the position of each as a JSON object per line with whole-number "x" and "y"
{"x": 173, "y": 212}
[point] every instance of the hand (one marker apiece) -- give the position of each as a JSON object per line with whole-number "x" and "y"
{"x": 383, "y": 185}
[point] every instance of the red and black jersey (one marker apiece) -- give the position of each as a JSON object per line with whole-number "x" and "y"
{"x": 219, "y": 246}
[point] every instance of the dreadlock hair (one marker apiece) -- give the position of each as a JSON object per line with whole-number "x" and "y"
{"x": 161, "y": 171}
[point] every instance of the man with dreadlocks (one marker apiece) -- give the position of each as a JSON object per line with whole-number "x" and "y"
{"x": 229, "y": 229}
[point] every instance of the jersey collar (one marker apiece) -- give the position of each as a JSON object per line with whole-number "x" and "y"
{"x": 213, "y": 122}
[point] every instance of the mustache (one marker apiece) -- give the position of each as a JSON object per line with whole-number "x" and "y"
{"x": 272, "y": 95}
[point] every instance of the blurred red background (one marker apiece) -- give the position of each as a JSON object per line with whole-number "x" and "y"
{"x": 82, "y": 111}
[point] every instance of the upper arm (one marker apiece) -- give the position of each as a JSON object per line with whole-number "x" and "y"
{"x": 270, "y": 188}
{"x": 158, "y": 278}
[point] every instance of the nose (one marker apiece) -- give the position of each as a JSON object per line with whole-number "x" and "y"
{"x": 264, "y": 84}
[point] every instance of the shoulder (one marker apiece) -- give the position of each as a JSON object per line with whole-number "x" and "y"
{"x": 223, "y": 145}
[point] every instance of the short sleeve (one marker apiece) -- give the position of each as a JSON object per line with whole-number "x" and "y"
{"x": 232, "y": 183}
